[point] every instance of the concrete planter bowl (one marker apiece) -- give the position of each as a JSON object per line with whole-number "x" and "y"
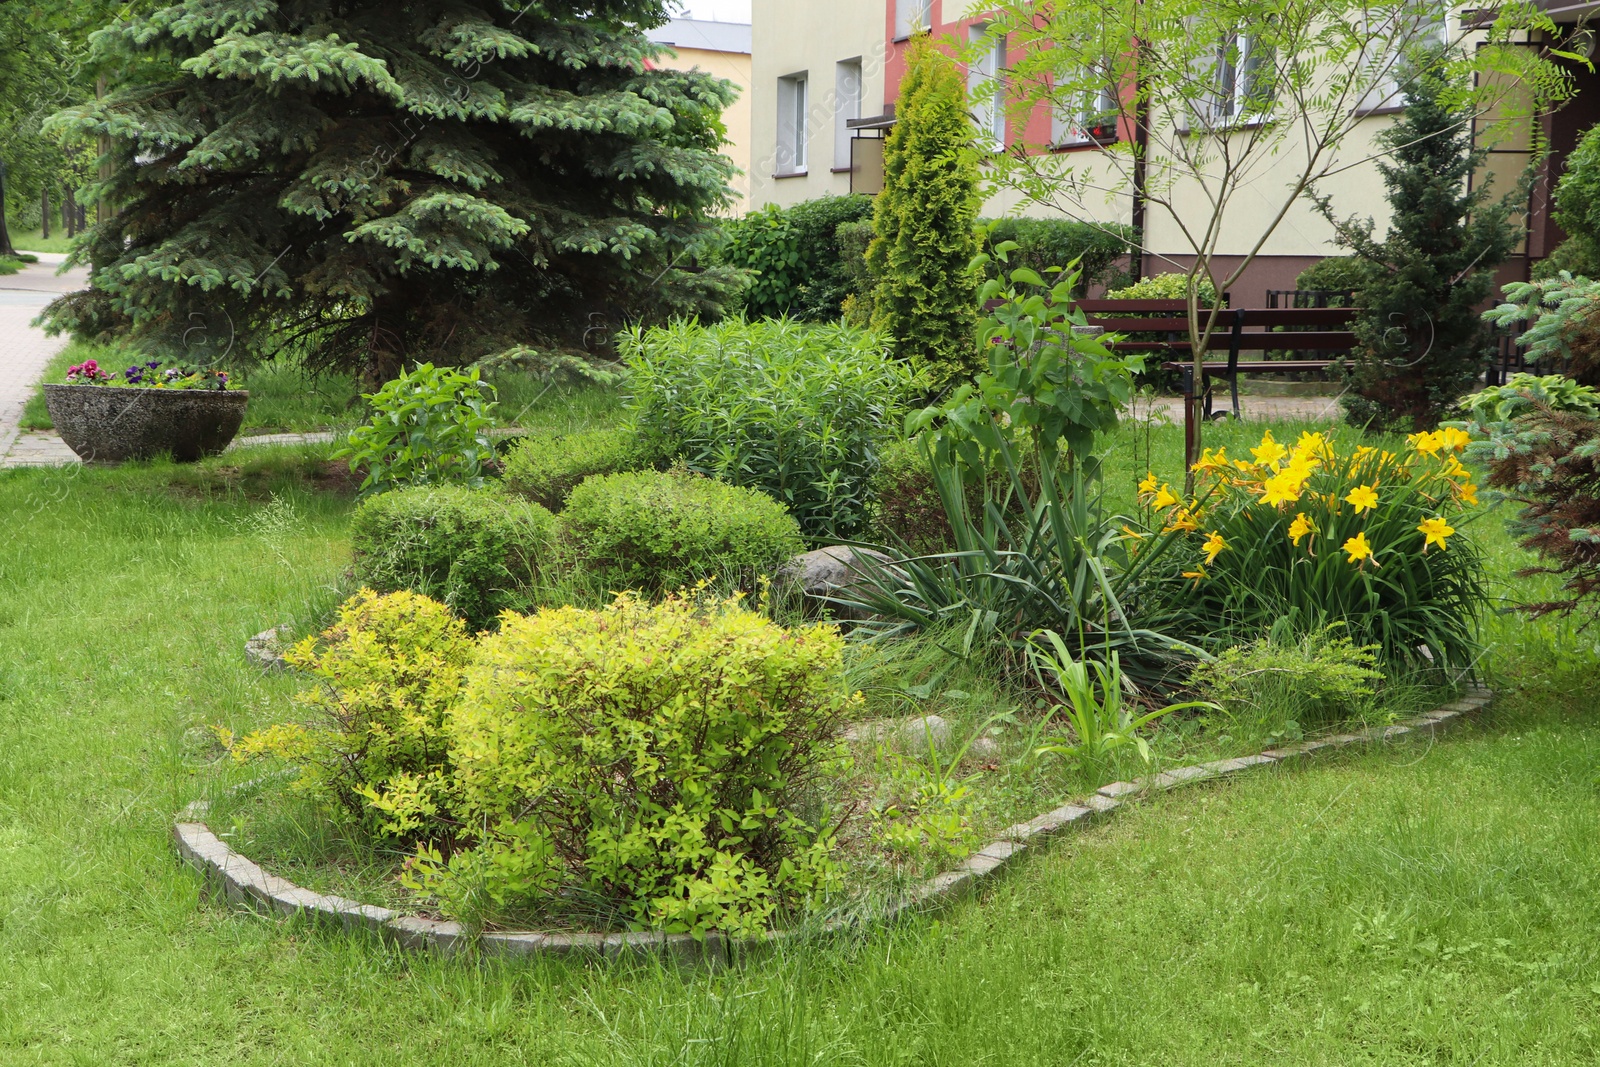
{"x": 110, "y": 424}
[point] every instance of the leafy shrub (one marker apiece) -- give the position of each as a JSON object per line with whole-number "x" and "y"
{"x": 662, "y": 531}
{"x": 907, "y": 511}
{"x": 1549, "y": 462}
{"x": 1317, "y": 534}
{"x": 1336, "y": 274}
{"x": 923, "y": 223}
{"x": 658, "y": 757}
{"x": 1278, "y": 684}
{"x": 1576, "y": 209}
{"x": 854, "y": 238}
{"x": 1496, "y": 407}
{"x": 477, "y": 551}
{"x": 429, "y": 426}
{"x": 545, "y": 466}
{"x": 799, "y": 412}
{"x": 1100, "y": 251}
{"x": 1561, "y": 321}
{"x": 374, "y": 731}
{"x": 803, "y": 269}
{"x": 1165, "y": 287}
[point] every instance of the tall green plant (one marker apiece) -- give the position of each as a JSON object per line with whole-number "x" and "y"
{"x": 1576, "y": 209}
{"x": 923, "y": 228}
{"x": 429, "y": 426}
{"x": 1421, "y": 343}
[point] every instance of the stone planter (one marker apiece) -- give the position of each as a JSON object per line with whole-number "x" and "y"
{"x": 109, "y": 424}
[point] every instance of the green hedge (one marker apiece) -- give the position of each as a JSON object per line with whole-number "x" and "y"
{"x": 476, "y": 550}
{"x": 796, "y": 249}
{"x": 545, "y": 466}
{"x": 660, "y": 531}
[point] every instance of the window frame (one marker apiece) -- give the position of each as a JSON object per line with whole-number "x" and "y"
{"x": 989, "y": 117}
{"x": 791, "y": 157}
{"x": 849, "y": 94}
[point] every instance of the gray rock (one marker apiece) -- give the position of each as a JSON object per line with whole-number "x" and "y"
{"x": 831, "y": 571}
{"x": 266, "y": 649}
{"x": 109, "y": 424}
{"x": 915, "y": 734}
{"x": 984, "y": 749}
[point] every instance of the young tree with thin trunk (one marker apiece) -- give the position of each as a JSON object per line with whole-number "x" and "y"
{"x": 1218, "y": 117}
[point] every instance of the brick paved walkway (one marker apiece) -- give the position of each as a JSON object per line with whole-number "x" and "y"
{"x": 24, "y": 349}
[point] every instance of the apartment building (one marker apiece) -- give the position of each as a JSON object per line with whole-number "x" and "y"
{"x": 721, "y": 49}
{"x": 825, "y": 75}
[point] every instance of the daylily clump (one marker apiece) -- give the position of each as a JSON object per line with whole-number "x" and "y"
{"x": 1315, "y": 531}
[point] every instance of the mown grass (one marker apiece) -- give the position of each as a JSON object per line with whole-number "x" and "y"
{"x": 33, "y": 241}
{"x": 1417, "y": 904}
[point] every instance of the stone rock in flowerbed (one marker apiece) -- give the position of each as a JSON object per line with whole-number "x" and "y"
{"x": 833, "y": 571}
{"x": 266, "y": 649}
{"x": 916, "y": 734}
{"x": 107, "y": 424}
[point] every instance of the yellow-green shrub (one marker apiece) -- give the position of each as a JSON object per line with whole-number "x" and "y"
{"x": 1319, "y": 533}
{"x": 656, "y": 756}
{"x": 373, "y": 731}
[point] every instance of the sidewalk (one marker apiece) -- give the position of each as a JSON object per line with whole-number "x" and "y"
{"x": 24, "y": 349}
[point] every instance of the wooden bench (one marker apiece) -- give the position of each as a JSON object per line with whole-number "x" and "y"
{"x": 1238, "y": 330}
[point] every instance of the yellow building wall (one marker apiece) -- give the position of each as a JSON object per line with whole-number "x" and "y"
{"x": 735, "y": 67}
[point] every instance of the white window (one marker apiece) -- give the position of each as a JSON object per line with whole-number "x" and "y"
{"x": 1243, "y": 80}
{"x": 1416, "y": 24}
{"x": 792, "y": 131}
{"x": 1088, "y": 116}
{"x": 846, "y": 106}
{"x": 911, "y": 16}
{"x": 986, "y": 86}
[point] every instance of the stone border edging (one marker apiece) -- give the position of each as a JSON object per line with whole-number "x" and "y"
{"x": 242, "y": 882}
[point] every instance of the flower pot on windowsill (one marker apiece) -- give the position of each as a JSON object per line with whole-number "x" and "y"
{"x": 110, "y": 424}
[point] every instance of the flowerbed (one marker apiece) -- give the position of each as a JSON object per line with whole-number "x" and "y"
{"x": 152, "y": 374}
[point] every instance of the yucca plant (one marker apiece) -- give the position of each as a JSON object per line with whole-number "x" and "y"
{"x": 1319, "y": 533}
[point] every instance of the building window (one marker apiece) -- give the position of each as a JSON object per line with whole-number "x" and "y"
{"x": 1244, "y": 76}
{"x": 910, "y": 16}
{"x": 1419, "y": 25}
{"x": 792, "y": 124}
{"x": 846, "y": 106}
{"x": 986, "y": 86}
{"x": 1087, "y": 116}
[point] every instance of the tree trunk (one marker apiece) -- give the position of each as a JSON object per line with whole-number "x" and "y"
{"x": 83, "y": 217}
{"x": 44, "y": 212}
{"x": 100, "y": 209}
{"x": 5, "y": 234}
{"x": 69, "y": 214}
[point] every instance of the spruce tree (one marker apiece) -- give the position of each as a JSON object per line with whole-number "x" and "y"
{"x": 1421, "y": 343}
{"x": 924, "y": 223}
{"x": 369, "y": 183}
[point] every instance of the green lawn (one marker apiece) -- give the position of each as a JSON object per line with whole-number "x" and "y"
{"x": 31, "y": 241}
{"x": 1413, "y": 905}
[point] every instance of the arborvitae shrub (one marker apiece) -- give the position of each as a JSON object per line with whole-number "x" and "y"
{"x": 660, "y": 531}
{"x": 545, "y": 466}
{"x": 475, "y": 550}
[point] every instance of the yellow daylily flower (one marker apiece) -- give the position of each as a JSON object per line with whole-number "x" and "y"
{"x": 1453, "y": 469}
{"x": 1197, "y": 575}
{"x": 1150, "y": 483}
{"x": 1165, "y": 498}
{"x": 1467, "y": 494}
{"x": 1358, "y": 548}
{"x": 1131, "y": 532}
{"x": 1270, "y": 451}
{"x": 1362, "y": 498}
{"x": 1285, "y": 487}
{"x": 1214, "y": 545}
{"x": 1300, "y": 527}
{"x": 1210, "y": 460}
{"x": 1453, "y": 439}
{"x": 1182, "y": 519}
{"x": 1427, "y": 442}
{"x": 1434, "y": 531}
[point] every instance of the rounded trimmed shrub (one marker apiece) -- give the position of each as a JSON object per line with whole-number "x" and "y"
{"x": 544, "y": 466}
{"x": 664, "y": 530}
{"x": 474, "y": 550}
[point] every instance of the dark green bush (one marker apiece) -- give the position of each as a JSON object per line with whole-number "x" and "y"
{"x": 660, "y": 531}
{"x": 1101, "y": 251}
{"x": 475, "y": 550}
{"x": 796, "y": 249}
{"x": 544, "y": 466}
{"x": 1337, "y": 273}
{"x": 800, "y": 412}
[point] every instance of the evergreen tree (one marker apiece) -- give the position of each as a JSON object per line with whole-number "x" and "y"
{"x": 924, "y": 222}
{"x": 375, "y": 182}
{"x": 1421, "y": 341}
{"x": 1576, "y": 209}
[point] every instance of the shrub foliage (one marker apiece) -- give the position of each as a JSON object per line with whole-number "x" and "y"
{"x": 802, "y": 260}
{"x": 660, "y": 531}
{"x": 656, "y": 757}
{"x": 476, "y": 551}
{"x": 799, "y": 412}
{"x": 544, "y": 467}
{"x": 430, "y": 425}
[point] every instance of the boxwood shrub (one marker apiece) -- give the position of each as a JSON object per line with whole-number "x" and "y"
{"x": 660, "y": 531}
{"x": 545, "y": 466}
{"x": 475, "y": 550}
